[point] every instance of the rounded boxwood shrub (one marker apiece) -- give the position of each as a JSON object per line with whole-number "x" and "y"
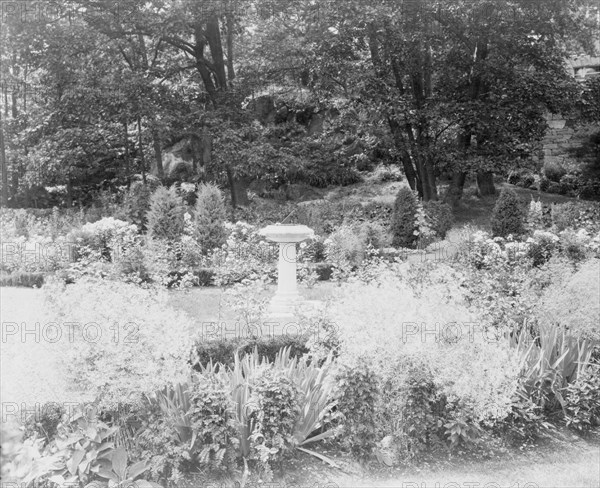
{"x": 553, "y": 187}
{"x": 165, "y": 215}
{"x": 508, "y": 216}
{"x": 589, "y": 190}
{"x": 544, "y": 183}
{"x": 554, "y": 171}
{"x": 404, "y": 219}
{"x": 527, "y": 180}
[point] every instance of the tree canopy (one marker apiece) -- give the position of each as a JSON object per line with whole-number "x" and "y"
{"x": 93, "y": 89}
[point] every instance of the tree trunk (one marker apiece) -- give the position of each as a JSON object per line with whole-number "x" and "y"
{"x": 430, "y": 176}
{"x": 4, "y": 165}
{"x": 238, "y": 188}
{"x": 142, "y": 160}
{"x": 407, "y": 162}
{"x": 127, "y": 161}
{"x": 230, "y": 27}
{"x": 422, "y": 183}
{"x": 6, "y": 104}
{"x": 485, "y": 183}
{"x": 213, "y": 36}
{"x": 69, "y": 192}
{"x": 157, "y": 152}
{"x": 455, "y": 190}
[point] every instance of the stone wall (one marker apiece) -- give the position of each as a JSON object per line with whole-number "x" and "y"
{"x": 564, "y": 137}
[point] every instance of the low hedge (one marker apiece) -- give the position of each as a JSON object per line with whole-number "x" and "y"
{"x": 22, "y": 278}
{"x": 223, "y": 350}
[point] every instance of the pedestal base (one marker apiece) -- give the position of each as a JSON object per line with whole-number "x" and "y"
{"x": 286, "y": 314}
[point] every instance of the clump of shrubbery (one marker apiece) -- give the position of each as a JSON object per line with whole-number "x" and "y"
{"x": 508, "y": 216}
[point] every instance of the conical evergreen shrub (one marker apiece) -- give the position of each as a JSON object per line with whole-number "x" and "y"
{"x": 404, "y": 219}
{"x": 165, "y": 216}
{"x": 209, "y": 218}
{"x": 508, "y": 216}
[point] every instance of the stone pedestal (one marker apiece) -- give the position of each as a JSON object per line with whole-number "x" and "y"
{"x": 286, "y": 297}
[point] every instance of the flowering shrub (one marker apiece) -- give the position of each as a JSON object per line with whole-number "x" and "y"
{"x": 541, "y": 246}
{"x": 108, "y": 236}
{"x": 576, "y": 244}
{"x": 485, "y": 252}
{"x": 247, "y": 301}
{"x": 125, "y": 351}
{"x": 535, "y": 214}
{"x": 471, "y": 376}
{"x": 572, "y": 301}
{"x": 35, "y": 254}
{"x": 245, "y": 255}
{"x": 344, "y": 249}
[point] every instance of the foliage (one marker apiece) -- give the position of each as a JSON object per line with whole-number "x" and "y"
{"x": 535, "y": 215}
{"x": 165, "y": 214}
{"x": 554, "y": 171}
{"x": 542, "y": 245}
{"x": 276, "y": 399}
{"x": 212, "y": 423}
{"x": 422, "y": 411}
{"x": 582, "y": 400}
{"x": 565, "y": 215}
{"x": 44, "y": 423}
{"x": 314, "y": 384}
{"x": 550, "y": 363}
{"x": 321, "y": 216}
{"x": 440, "y": 217}
{"x": 344, "y": 249}
{"x": 357, "y": 402}
{"x": 82, "y": 451}
{"x": 11, "y": 449}
{"x": 245, "y": 255}
{"x": 425, "y": 233}
{"x": 166, "y": 433}
{"x": 119, "y": 328}
{"x": 108, "y": 237}
{"x": 209, "y": 218}
{"x": 571, "y": 302}
{"x": 135, "y": 205}
{"x": 403, "y": 225}
{"x": 22, "y": 278}
{"x": 507, "y": 216}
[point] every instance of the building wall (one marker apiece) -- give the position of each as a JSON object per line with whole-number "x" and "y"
{"x": 565, "y": 135}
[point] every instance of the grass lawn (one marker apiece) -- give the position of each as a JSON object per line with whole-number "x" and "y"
{"x": 203, "y": 304}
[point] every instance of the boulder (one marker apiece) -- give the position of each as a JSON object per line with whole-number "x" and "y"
{"x": 300, "y": 192}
